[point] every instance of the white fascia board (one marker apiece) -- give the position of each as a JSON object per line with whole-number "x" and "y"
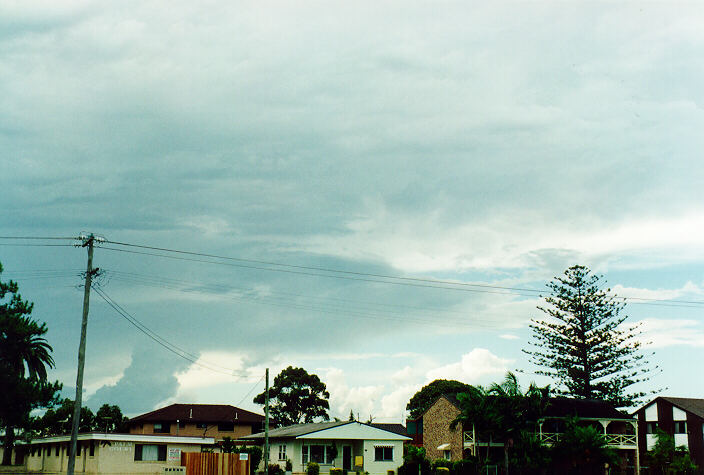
{"x": 157, "y": 439}
{"x": 353, "y": 431}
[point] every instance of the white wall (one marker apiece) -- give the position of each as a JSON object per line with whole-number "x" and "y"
{"x": 381, "y": 468}
{"x": 651, "y": 412}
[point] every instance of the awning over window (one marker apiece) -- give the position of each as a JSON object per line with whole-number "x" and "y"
{"x": 383, "y": 445}
{"x": 444, "y": 447}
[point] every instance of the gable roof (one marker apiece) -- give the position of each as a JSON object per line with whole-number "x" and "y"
{"x": 399, "y": 429}
{"x": 307, "y": 430}
{"x": 199, "y": 413}
{"x": 695, "y": 406}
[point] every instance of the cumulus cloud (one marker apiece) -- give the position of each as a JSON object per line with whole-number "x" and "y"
{"x": 473, "y": 366}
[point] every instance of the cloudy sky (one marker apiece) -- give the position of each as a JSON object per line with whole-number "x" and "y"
{"x": 488, "y": 143}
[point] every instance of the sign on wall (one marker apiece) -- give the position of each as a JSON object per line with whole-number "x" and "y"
{"x": 174, "y": 455}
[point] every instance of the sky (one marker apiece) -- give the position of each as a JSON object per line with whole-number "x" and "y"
{"x": 484, "y": 143}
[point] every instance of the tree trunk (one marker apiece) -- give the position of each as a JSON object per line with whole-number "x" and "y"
{"x": 7, "y": 445}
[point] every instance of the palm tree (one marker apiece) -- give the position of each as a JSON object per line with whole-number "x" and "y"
{"x": 24, "y": 357}
{"x": 478, "y": 412}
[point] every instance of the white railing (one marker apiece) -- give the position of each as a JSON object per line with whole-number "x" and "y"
{"x": 620, "y": 439}
{"x": 612, "y": 440}
{"x": 550, "y": 438}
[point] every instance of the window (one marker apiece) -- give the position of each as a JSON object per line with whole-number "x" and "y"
{"x": 162, "y": 428}
{"x": 56, "y": 452}
{"x": 447, "y": 454}
{"x": 149, "y": 453}
{"x": 92, "y": 449}
{"x": 226, "y": 427}
{"x": 651, "y": 427}
{"x": 282, "y": 452}
{"x": 680, "y": 427}
{"x": 317, "y": 454}
{"x": 383, "y": 454}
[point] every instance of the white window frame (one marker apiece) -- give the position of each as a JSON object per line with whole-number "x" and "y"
{"x": 282, "y": 452}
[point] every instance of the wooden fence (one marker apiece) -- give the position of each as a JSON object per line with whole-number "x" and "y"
{"x": 214, "y": 464}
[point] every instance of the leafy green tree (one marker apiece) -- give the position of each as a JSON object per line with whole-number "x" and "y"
{"x": 296, "y": 397}
{"x": 351, "y": 418}
{"x": 423, "y": 399}
{"x": 110, "y": 419}
{"x": 583, "y": 344}
{"x": 664, "y": 458}
{"x": 57, "y": 420}
{"x": 24, "y": 357}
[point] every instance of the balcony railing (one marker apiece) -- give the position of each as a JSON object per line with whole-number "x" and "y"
{"x": 550, "y": 438}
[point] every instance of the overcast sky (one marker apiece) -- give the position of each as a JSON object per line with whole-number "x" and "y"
{"x": 491, "y": 143}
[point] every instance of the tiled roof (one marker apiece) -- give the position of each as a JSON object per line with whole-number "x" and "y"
{"x": 297, "y": 430}
{"x": 199, "y": 413}
{"x": 399, "y": 429}
{"x": 584, "y": 408}
{"x": 695, "y": 406}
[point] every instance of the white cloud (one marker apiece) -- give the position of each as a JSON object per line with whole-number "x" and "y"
{"x": 217, "y": 367}
{"x": 474, "y": 366}
{"x": 362, "y": 400}
{"x": 661, "y": 333}
{"x": 508, "y": 336}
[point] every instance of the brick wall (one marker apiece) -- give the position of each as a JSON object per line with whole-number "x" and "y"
{"x": 436, "y": 430}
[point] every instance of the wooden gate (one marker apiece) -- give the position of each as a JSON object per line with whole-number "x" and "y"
{"x": 197, "y": 463}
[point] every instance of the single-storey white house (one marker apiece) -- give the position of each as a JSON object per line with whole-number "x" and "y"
{"x": 110, "y": 453}
{"x": 357, "y": 446}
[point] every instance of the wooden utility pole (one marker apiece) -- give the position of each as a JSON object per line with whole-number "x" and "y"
{"x": 87, "y": 242}
{"x": 266, "y": 423}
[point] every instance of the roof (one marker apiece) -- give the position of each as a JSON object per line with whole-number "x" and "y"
{"x": 582, "y": 408}
{"x": 695, "y": 406}
{"x": 199, "y": 413}
{"x": 347, "y": 430}
{"x": 297, "y": 430}
{"x": 399, "y": 429}
{"x": 159, "y": 438}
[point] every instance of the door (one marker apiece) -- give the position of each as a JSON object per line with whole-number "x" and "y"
{"x": 346, "y": 457}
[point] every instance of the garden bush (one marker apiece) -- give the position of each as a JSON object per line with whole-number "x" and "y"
{"x": 313, "y": 468}
{"x": 274, "y": 469}
{"x": 335, "y": 471}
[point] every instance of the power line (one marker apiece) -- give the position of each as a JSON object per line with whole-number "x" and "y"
{"x": 46, "y": 238}
{"x": 322, "y": 269}
{"x": 250, "y": 391}
{"x": 324, "y": 307}
{"x": 333, "y": 276}
{"x": 195, "y": 359}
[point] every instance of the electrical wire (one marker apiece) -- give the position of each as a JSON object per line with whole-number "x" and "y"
{"x": 250, "y": 391}
{"x": 47, "y": 238}
{"x": 195, "y": 359}
{"x": 322, "y": 269}
{"x": 247, "y": 295}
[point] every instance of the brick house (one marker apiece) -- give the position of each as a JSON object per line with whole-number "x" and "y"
{"x": 198, "y": 420}
{"x": 682, "y": 418}
{"x": 432, "y": 429}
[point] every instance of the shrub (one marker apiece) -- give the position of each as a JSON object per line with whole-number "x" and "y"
{"x": 313, "y": 468}
{"x": 274, "y": 469}
{"x": 439, "y": 463}
{"x": 335, "y": 471}
{"x": 289, "y": 465}
{"x": 442, "y": 471}
{"x": 414, "y": 460}
{"x": 467, "y": 466}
